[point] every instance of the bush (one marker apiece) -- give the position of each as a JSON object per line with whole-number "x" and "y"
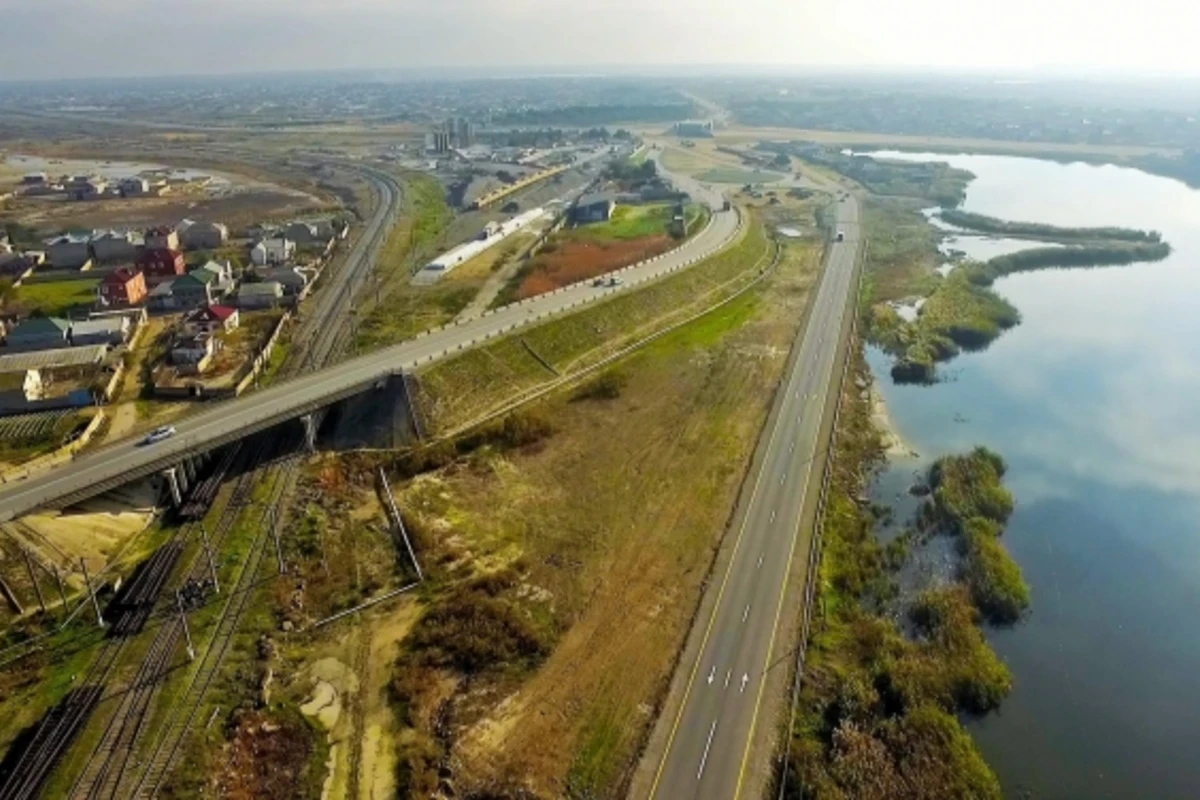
{"x": 606, "y": 386}
{"x": 474, "y": 631}
{"x": 995, "y": 581}
{"x": 969, "y": 486}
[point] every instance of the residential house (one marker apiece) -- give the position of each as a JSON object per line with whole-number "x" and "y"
{"x": 263, "y": 230}
{"x": 39, "y": 333}
{"x": 133, "y": 187}
{"x": 294, "y": 280}
{"x": 211, "y": 320}
{"x": 161, "y": 265}
{"x": 70, "y": 251}
{"x": 85, "y": 187}
{"x": 301, "y": 233}
{"x": 34, "y": 179}
{"x": 267, "y": 294}
{"x": 162, "y": 238}
{"x": 201, "y": 235}
{"x": 273, "y": 251}
{"x": 162, "y": 297}
{"x": 197, "y": 288}
{"x": 122, "y": 287}
{"x": 111, "y": 247}
{"x": 224, "y": 272}
{"x": 192, "y": 354}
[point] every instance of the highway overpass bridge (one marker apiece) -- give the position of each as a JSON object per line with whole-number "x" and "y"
{"x": 298, "y": 398}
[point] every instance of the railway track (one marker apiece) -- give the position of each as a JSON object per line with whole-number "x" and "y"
{"x": 109, "y": 771}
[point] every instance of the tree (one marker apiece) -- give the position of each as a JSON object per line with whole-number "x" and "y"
{"x": 782, "y": 160}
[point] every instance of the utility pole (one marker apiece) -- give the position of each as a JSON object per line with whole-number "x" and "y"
{"x": 187, "y": 635}
{"x": 33, "y": 578}
{"x": 212, "y": 565}
{"x": 91, "y": 591}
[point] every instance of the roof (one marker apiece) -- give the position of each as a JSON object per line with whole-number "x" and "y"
{"x": 266, "y": 287}
{"x": 212, "y": 312}
{"x": 165, "y": 289}
{"x": 41, "y": 325}
{"x": 104, "y": 235}
{"x": 596, "y": 199}
{"x": 160, "y": 257}
{"x": 159, "y": 230}
{"x": 217, "y": 267}
{"x": 100, "y": 325}
{"x": 201, "y": 276}
{"x": 49, "y": 359}
{"x": 121, "y": 275}
{"x": 69, "y": 238}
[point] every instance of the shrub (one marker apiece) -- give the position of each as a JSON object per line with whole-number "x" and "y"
{"x": 606, "y": 386}
{"x": 473, "y": 631}
{"x": 995, "y": 581}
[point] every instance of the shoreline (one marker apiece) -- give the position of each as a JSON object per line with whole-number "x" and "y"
{"x": 894, "y": 444}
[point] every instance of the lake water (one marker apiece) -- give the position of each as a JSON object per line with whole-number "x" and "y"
{"x": 1094, "y": 400}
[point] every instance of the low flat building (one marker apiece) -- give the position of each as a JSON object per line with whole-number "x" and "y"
{"x": 593, "y": 208}
{"x": 99, "y": 330}
{"x": 39, "y": 333}
{"x": 192, "y": 354}
{"x": 69, "y": 251}
{"x": 57, "y": 358}
{"x": 294, "y": 280}
{"x": 85, "y": 187}
{"x": 267, "y": 294}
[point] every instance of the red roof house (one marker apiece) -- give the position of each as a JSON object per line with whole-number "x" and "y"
{"x": 211, "y": 319}
{"x": 122, "y": 287}
{"x": 160, "y": 265}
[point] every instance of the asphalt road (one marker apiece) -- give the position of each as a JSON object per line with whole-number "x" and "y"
{"x": 704, "y": 749}
{"x": 232, "y": 419}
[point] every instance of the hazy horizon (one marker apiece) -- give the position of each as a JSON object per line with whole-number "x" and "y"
{"x": 63, "y": 39}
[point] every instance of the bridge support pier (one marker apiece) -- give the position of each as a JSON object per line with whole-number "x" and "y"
{"x": 171, "y": 474}
{"x": 310, "y": 432}
{"x": 190, "y": 470}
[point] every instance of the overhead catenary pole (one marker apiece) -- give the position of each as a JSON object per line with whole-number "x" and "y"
{"x": 212, "y": 564}
{"x": 33, "y": 579}
{"x": 187, "y": 634}
{"x": 91, "y": 591}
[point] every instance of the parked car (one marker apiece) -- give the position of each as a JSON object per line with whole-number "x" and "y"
{"x": 158, "y": 434}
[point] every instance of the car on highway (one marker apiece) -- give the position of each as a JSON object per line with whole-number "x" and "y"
{"x": 615, "y": 281}
{"x": 158, "y": 434}
{"x": 841, "y": 237}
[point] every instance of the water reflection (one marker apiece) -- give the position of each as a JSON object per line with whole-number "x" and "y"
{"x": 1093, "y": 401}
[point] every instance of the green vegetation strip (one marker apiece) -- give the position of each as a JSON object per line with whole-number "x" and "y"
{"x": 986, "y": 224}
{"x": 878, "y": 710}
{"x": 961, "y": 311}
{"x": 465, "y": 388}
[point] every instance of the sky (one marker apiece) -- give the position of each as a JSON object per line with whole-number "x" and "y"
{"x": 102, "y": 38}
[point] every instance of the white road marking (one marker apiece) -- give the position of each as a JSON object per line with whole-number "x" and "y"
{"x": 745, "y": 680}
{"x": 728, "y": 675}
{"x": 707, "y": 745}
{"x": 760, "y": 558}
{"x": 746, "y": 613}
{"x": 772, "y": 515}
{"x": 712, "y": 674}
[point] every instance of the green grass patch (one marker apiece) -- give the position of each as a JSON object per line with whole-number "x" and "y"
{"x": 627, "y": 222}
{"x": 457, "y": 390}
{"x": 56, "y": 298}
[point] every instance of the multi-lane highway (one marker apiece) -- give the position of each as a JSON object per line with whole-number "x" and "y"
{"x": 229, "y": 420}
{"x": 714, "y": 737}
